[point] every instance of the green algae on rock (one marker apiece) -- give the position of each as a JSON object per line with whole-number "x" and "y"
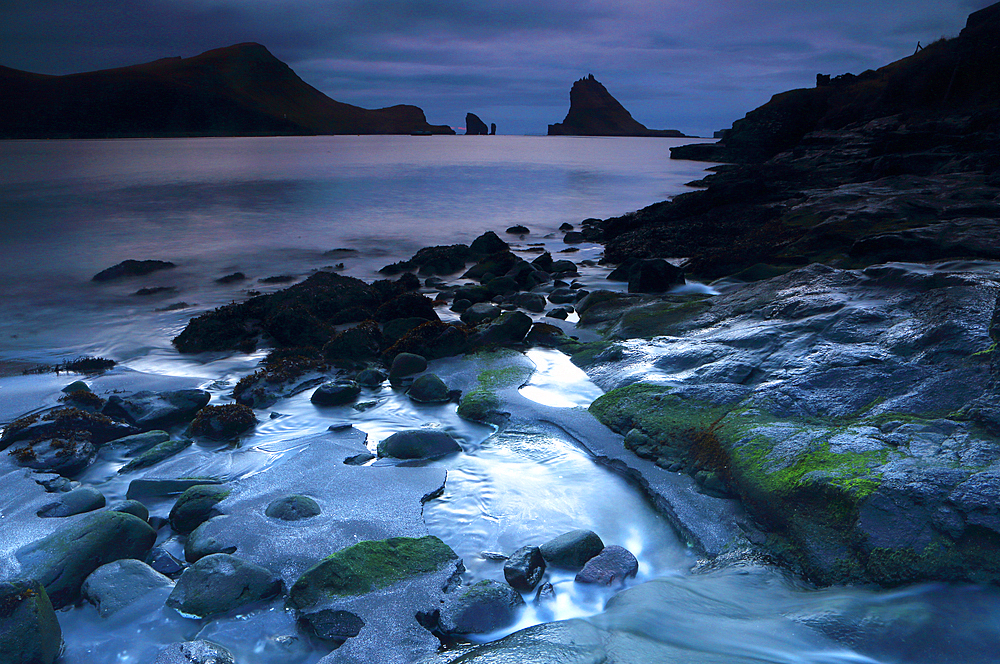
{"x": 369, "y": 565}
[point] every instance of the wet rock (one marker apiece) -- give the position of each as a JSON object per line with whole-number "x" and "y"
{"x": 559, "y": 313}
{"x": 332, "y": 625}
{"x": 293, "y": 508}
{"x": 355, "y": 344}
{"x": 509, "y": 328}
{"x": 545, "y": 593}
{"x": 460, "y": 304}
{"x": 564, "y": 296}
{"x": 492, "y": 266}
{"x": 480, "y": 312}
{"x": 565, "y": 226}
{"x": 76, "y": 386}
{"x": 431, "y": 340}
{"x": 407, "y": 305}
{"x": 142, "y": 441}
{"x": 547, "y": 336}
{"x": 418, "y": 444}
{"x": 613, "y": 564}
{"x": 503, "y": 286}
{"x": 195, "y": 652}
{"x": 223, "y": 422}
{"x": 518, "y": 230}
{"x": 563, "y": 267}
{"x": 77, "y": 501}
{"x": 572, "y": 550}
{"x": 397, "y": 328}
{"x": 232, "y": 278}
{"x": 162, "y": 561}
{"x": 359, "y": 459}
{"x": 201, "y": 542}
{"x": 157, "y": 410}
{"x": 488, "y": 243}
{"x": 336, "y": 393}
{"x": 367, "y": 566}
{"x": 195, "y": 506}
{"x": 66, "y": 455}
{"x": 156, "y": 454}
{"x": 407, "y": 364}
{"x": 480, "y": 608}
{"x": 370, "y": 378}
{"x": 114, "y": 586}
{"x": 133, "y": 507}
{"x": 220, "y": 583}
{"x": 428, "y": 388}
{"x": 543, "y": 262}
{"x": 524, "y": 569}
{"x": 66, "y": 424}
{"x": 63, "y": 560}
{"x": 132, "y": 268}
{"x": 573, "y": 237}
{"x": 534, "y": 302}
{"x": 29, "y": 629}
{"x": 653, "y": 275}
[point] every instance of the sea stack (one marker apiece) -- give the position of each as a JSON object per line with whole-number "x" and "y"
{"x": 474, "y": 126}
{"x": 594, "y": 112}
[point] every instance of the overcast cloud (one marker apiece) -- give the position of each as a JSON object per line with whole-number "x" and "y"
{"x": 694, "y": 66}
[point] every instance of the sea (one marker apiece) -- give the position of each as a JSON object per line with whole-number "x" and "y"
{"x": 286, "y": 207}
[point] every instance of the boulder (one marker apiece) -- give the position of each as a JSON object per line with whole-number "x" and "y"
{"x": 164, "y": 562}
{"x": 563, "y": 267}
{"x": 473, "y": 294}
{"x": 133, "y": 507}
{"x": 63, "y": 560}
{"x": 293, "y": 508}
{"x": 66, "y": 455}
{"x": 534, "y": 302}
{"x": 29, "y": 630}
{"x": 195, "y": 652}
{"x": 157, "y": 410}
{"x": 572, "y": 550}
{"x": 370, "y": 378}
{"x": 480, "y": 312}
{"x": 509, "y": 328}
{"x": 613, "y": 564}
{"x": 132, "y": 268}
{"x": 77, "y": 501}
{"x": 407, "y": 305}
{"x": 336, "y": 393}
{"x": 418, "y": 444}
{"x": 333, "y": 625}
{"x": 142, "y": 441}
{"x": 480, "y": 608}
{"x": 114, "y": 586}
{"x": 524, "y": 569}
{"x": 488, "y": 243}
{"x": 428, "y": 388}
{"x": 220, "y": 583}
{"x": 156, "y": 454}
{"x": 407, "y": 364}
{"x": 358, "y": 343}
{"x": 66, "y": 424}
{"x": 565, "y": 296}
{"x": 195, "y": 506}
{"x": 202, "y": 542}
{"x": 654, "y": 275}
{"x": 518, "y": 230}
{"x": 395, "y": 329}
{"x": 223, "y": 422}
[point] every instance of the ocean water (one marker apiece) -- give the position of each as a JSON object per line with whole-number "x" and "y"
{"x": 270, "y": 207}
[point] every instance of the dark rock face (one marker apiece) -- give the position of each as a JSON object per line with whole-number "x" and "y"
{"x": 114, "y": 586}
{"x": 418, "y": 444}
{"x": 653, "y": 275}
{"x": 474, "y": 126}
{"x": 572, "y": 550}
{"x": 594, "y": 112}
{"x": 77, "y": 501}
{"x": 239, "y": 90}
{"x": 428, "y": 388}
{"x": 407, "y": 364}
{"x": 336, "y": 393}
{"x": 132, "y": 268}
{"x": 480, "y": 608}
{"x": 195, "y": 506}
{"x": 223, "y": 422}
{"x": 612, "y": 565}
{"x": 195, "y": 652}
{"x": 64, "y": 559}
{"x": 156, "y": 410}
{"x": 293, "y": 508}
{"x": 488, "y": 243}
{"x": 219, "y": 583}
{"x": 524, "y": 569}
{"x": 509, "y": 328}
{"x": 29, "y": 630}
{"x": 332, "y": 625}
{"x": 480, "y": 312}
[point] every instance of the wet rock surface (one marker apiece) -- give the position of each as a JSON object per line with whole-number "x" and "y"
{"x": 219, "y": 583}
{"x": 29, "y": 629}
{"x": 115, "y": 586}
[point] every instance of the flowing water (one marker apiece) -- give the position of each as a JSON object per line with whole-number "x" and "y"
{"x": 289, "y": 206}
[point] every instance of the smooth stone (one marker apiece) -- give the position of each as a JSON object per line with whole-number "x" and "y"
{"x": 407, "y": 364}
{"x": 114, "y": 586}
{"x": 142, "y": 441}
{"x": 77, "y": 501}
{"x": 195, "y": 652}
{"x": 480, "y": 608}
{"x": 157, "y": 410}
{"x": 524, "y": 569}
{"x": 564, "y": 295}
{"x": 64, "y": 559}
{"x": 76, "y": 386}
{"x": 336, "y": 393}
{"x": 201, "y": 542}
{"x": 488, "y": 243}
{"x": 613, "y": 564}
{"x": 159, "y": 488}
{"x": 293, "y": 508}
{"x": 480, "y": 313}
{"x": 63, "y": 455}
{"x": 332, "y": 624}
{"x": 195, "y": 506}
{"x": 418, "y": 444}
{"x": 654, "y": 275}
{"x": 220, "y": 583}
{"x": 572, "y": 550}
{"x": 156, "y": 454}
{"x": 545, "y": 593}
{"x": 29, "y": 629}
{"x": 164, "y": 562}
{"x": 510, "y": 328}
{"x": 428, "y": 388}
{"x": 534, "y": 302}
{"x": 224, "y": 422}
{"x": 370, "y": 378}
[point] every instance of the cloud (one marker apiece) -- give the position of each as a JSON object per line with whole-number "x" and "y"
{"x": 693, "y": 66}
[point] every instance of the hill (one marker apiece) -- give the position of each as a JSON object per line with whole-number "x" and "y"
{"x": 594, "y": 112}
{"x": 239, "y": 90}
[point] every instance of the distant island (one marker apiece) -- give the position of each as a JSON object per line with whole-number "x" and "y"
{"x": 240, "y": 90}
{"x": 594, "y": 112}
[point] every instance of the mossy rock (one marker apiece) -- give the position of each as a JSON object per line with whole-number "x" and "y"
{"x": 196, "y": 506}
{"x": 29, "y": 630}
{"x": 368, "y": 566}
{"x": 479, "y": 406}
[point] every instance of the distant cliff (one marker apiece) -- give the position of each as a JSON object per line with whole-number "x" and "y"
{"x": 474, "y": 126}
{"x": 239, "y": 90}
{"x": 594, "y": 112}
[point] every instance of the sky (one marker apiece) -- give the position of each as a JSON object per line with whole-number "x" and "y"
{"x": 693, "y": 66}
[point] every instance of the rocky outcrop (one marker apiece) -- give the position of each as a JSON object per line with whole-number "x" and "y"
{"x": 238, "y": 90}
{"x": 594, "y": 112}
{"x": 474, "y": 126}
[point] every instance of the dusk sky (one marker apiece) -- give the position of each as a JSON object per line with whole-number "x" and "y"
{"x": 693, "y": 66}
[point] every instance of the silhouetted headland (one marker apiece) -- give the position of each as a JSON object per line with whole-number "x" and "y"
{"x": 594, "y": 112}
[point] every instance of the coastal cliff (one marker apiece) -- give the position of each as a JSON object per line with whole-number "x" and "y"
{"x": 240, "y": 90}
{"x": 594, "y": 112}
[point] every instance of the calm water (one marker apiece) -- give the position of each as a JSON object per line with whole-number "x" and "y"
{"x": 273, "y": 206}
